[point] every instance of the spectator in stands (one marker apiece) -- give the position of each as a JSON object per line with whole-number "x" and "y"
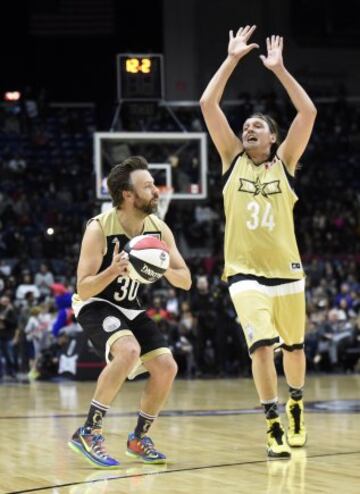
{"x": 345, "y": 294}
{"x": 180, "y": 179}
{"x": 38, "y": 334}
{"x": 8, "y": 323}
{"x": 43, "y": 280}
{"x": 184, "y": 339}
{"x": 172, "y": 303}
{"x": 203, "y": 306}
{"x": 157, "y": 312}
{"x": 27, "y": 285}
{"x": 21, "y": 346}
{"x": 336, "y": 329}
{"x": 17, "y": 164}
{"x": 5, "y": 268}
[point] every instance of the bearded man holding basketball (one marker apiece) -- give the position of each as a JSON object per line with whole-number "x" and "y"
{"x": 107, "y": 307}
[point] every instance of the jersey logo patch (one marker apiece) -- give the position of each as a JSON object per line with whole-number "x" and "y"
{"x": 111, "y": 323}
{"x": 249, "y": 330}
{"x": 255, "y": 188}
{"x": 295, "y": 266}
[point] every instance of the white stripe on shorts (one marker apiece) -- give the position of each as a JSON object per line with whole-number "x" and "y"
{"x": 272, "y": 291}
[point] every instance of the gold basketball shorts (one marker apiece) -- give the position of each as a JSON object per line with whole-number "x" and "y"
{"x": 270, "y": 311}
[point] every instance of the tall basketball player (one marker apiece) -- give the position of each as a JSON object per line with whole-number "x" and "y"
{"x": 262, "y": 262}
{"x": 108, "y": 309}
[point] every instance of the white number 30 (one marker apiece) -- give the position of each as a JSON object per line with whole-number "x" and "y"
{"x": 267, "y": 218}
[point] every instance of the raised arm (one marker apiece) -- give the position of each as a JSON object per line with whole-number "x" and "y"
{"x": 224, "y": 139}
{"x": 292, "y": 148}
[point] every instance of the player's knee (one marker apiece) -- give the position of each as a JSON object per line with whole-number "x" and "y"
{"x": 126, "y": 350}
{"x": 263, "y": 353}
{"x": 166, "y": 368}
{"x": 133, "y": 352}
{"x": 171, "y": 368}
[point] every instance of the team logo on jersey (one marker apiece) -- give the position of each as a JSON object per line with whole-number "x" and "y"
{"x": 255, "y": 188}
{"x": 295, "y": 266}
{"x": 249, "y": 330}
{"x": 111, "y": 323}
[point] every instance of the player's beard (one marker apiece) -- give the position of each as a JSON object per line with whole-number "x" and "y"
{"x": 146, "y": 207}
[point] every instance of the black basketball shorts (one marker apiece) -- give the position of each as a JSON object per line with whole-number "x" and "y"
{"x": 103, "y": 324}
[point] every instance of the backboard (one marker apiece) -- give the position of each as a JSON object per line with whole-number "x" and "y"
{"x": 177, "y": 159}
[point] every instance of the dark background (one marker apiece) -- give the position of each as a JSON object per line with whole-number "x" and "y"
{"x": 69, "y": 46}
{"x": 74, "y": 67}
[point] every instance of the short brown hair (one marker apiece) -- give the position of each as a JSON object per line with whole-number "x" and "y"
{"x": 119, "y": 177}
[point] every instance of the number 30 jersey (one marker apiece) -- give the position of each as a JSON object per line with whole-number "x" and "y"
{"x": 259, "y": 230}
{"x": 122, "y": 292}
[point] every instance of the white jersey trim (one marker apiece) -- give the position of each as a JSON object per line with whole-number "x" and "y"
{"x": 78, "y": 304}
{"x": 272, "y": 291}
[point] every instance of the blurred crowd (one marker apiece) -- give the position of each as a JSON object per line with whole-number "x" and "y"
{"x": 47, "y": 194}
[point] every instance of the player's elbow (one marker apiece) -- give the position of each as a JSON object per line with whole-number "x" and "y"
{"x": 311, "y": 111}
{"x": 203, "y": 101}
{"x": 82, "y": 294}
{"x": 188, "y": 283}
{"x": 206, "y": 102}
{"x": 82, "y": 291}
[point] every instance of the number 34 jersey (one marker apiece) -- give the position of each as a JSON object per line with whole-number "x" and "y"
{"x": 122, "y": 292}
{"x": 259, "y": 230}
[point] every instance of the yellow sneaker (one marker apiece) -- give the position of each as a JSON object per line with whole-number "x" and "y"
{"x": 296, "y": 433}
{"x": 33, "y": 374}
{"x": 277, "y": 447}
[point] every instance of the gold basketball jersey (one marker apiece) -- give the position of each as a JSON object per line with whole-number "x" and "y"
{"x": 112, "y": 228}
{"x": 259, "y": 230}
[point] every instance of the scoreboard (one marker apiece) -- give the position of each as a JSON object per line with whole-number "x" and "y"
{"x": 140, "y": 77}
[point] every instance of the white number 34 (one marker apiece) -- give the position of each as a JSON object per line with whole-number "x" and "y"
{"x": 260, "y": 218}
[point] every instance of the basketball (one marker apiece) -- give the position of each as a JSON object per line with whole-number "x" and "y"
{"x": 148, "y": 258}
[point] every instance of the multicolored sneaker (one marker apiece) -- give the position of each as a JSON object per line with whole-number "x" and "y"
{"x": 296, "y": 433}
{"x": 91, "y": 446}
{"x": 277, "y": 447}
{"x": 144, "y": 449}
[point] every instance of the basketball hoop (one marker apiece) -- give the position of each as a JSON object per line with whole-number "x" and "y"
{"x": 165, "y": 195}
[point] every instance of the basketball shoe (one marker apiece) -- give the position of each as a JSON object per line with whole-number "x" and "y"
{"x": 296, "y": 433}
{"x": 277, "y": 446}
{"x": 144, "y": 449}
{"x": 90, "y": 443}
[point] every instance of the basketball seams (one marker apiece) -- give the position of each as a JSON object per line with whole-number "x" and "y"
{"x": 149, "y": 258}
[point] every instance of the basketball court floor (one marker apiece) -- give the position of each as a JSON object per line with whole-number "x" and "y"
{"x": 212, "y": 431}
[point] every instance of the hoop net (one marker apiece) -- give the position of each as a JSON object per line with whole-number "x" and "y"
{"x": 165, "y": 195}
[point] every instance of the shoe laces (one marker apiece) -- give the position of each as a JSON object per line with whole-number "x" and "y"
{"x": 295, "y": 411}
{"x": 98, "y": 445}
{"x": 147, "y": 445}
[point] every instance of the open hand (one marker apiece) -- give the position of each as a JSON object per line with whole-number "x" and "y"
{"x": 238, "y": 46}
{"x": 274, "y": 58}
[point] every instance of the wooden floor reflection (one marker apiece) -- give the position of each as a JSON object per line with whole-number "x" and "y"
{"x": 212, "y": 432}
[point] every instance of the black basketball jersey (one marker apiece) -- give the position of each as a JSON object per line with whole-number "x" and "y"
{"x": 122, "y": 292}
